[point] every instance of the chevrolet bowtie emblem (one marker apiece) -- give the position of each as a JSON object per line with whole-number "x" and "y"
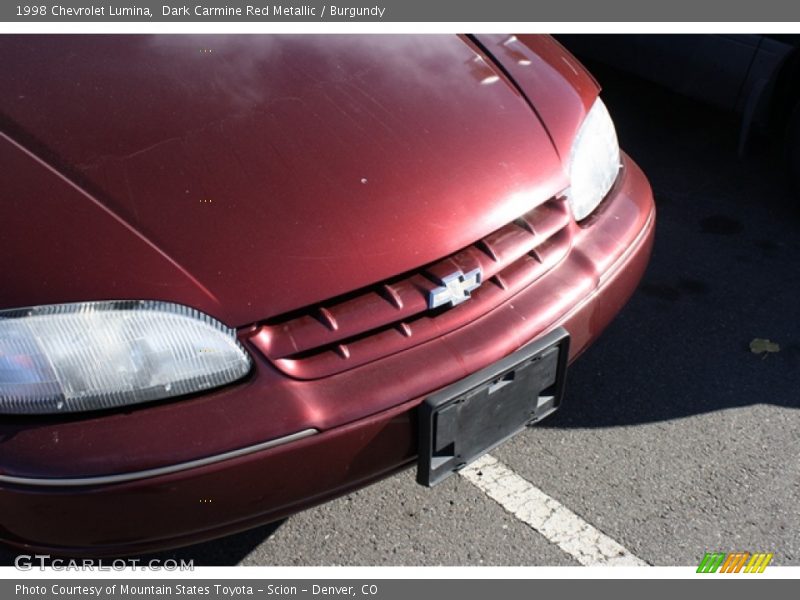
{"x": 456, "y": 289}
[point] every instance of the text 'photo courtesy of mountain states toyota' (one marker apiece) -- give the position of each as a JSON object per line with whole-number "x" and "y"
{"x": 269, "y": 270}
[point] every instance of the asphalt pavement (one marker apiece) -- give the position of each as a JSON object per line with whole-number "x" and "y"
{"x": 674, "y": 438}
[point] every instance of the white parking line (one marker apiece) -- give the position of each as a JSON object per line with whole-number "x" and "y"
{"x": 561, "y": 526}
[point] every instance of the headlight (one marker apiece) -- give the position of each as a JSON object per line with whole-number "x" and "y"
{"x": 75, "y": 357}
{"x": 593, "y": 161}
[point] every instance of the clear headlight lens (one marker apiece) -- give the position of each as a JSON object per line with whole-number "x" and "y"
{"x": 86, "y": 356}
{"x": 593, "y": 161}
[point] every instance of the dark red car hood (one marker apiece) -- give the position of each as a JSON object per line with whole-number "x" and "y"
{"x": 252, "y": 175}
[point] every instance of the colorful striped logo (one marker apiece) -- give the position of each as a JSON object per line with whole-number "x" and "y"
{"x": 734, "y": 562}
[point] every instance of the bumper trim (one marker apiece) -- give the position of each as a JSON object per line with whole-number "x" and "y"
{"x": 135, "y": 475}
{"x": 633, "y": 247}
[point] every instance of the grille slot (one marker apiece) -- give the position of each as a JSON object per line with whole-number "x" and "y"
{"x": 391, "y": 316}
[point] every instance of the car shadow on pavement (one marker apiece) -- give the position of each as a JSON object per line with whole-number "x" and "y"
{"x": 725, "y": 271}
{"x": 228, "y": 551}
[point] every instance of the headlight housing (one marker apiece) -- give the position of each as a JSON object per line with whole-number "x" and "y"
{"x": 86, "y": 356}
{"x": 593, "y": 161}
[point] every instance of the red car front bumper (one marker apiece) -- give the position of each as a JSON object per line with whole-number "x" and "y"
{"x": 96, "y": 506}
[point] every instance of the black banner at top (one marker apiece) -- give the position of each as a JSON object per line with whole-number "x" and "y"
{"x": 254, "y": 11}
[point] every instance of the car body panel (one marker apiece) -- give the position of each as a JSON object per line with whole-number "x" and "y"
{"x": 270, "y": 405}
{"x": 167, "y": 511}
{"x": 223, "y": 160}
{"x": 314, "y": 166}
{"x": 557, "y": 86}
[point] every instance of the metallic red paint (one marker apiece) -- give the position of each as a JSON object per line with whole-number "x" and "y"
{"x": 233, "y": 172}
{"x": 91, "y": 183}
{"x": 371, "y": 433}
{"x": 558, "y": 87}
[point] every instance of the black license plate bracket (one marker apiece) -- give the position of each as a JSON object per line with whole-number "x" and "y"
{"x": 471, "y": 417}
